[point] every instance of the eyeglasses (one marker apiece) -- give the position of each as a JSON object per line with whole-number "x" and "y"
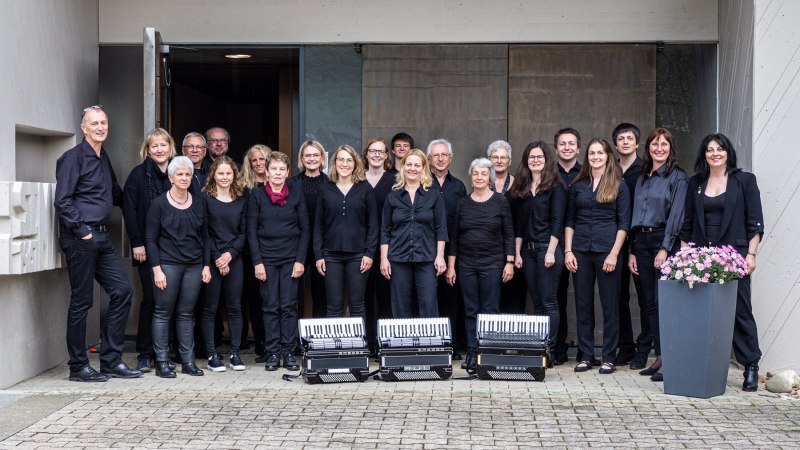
{"x": 218, "y": 141}
{"x": 535, "y": 157}
{"x": 345, "y": 160}
{"x": 89, "y": 108}
{"x": 196, "y": 148}
{"x": 375, "y": 151}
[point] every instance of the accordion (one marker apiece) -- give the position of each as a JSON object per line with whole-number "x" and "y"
{"x": 512, "y": 346}
{"x": 415, "y": 349}
{"x": 334, "y": 350}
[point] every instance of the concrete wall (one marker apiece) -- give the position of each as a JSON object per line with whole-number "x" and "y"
{"x": 776, "y": 116}
{"x": 49, "y": 73}
{"x": 412, "y": 21}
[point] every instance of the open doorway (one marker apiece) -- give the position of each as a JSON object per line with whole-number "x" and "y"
{"x": 251, "y": 96}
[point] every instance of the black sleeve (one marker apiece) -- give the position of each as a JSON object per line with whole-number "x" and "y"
{"x": 237, "y": 246}
{"x": 153, "y": 229}
{"x": 508, "y": 229}
{"x": 558, "y": 211}
{"x": 688, "y": 212}
{"x": 569, "y": 218}
{"x": 305, "y": 231}
{"x": 116, "y": 191}
{"x": 371, "y": 242}
{"x": 452, "y": 249}
{"x": 318, "y": 236}
{"x": 252, "y": 228}
{"x": 130, "y": 203}
{"x": 67, "y": 174}
{"x": 623, "y": 208}
{"x": 752, "y": 205}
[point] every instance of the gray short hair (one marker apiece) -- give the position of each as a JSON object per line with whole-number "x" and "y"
{"x": 180, "y": 162}
{"x": 484, "y": 164}
{"x": 193, "y": 134}
{"x": 437, "y": 142}
{"x": 497, "y": 145}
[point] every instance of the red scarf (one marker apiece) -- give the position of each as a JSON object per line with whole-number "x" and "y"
{"x": 278, "y": 198}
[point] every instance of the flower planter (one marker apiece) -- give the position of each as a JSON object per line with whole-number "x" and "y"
{"x": 696, "y": 330}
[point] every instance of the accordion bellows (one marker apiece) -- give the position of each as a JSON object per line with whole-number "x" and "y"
{"x": 512, "y": 346}
{"x": 334, "y": 350}
{"x": 415, "y": 349}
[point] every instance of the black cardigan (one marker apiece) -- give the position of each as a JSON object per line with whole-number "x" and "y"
{"x": 145, "y": 182}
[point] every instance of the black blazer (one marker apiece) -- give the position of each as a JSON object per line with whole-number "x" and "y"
{"x": 742, "y": 217}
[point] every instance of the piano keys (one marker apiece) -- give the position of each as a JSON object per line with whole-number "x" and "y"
{"x": 512, "y": 346}
{"x": 334, "y": 350}
{"x": 415, "y": 349}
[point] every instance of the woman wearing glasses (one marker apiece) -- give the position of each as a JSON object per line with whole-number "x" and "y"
{"x": 345, "y": 232}
{"x": 145, "y": 183}
{"x": 499, "y": 152}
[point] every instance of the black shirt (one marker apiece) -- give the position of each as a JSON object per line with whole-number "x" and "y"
{"x": 346, "y": 223}
{"x": 596, "y": 224}
{"x": 631, "y": 176}
{"x": 177, "y": 236}
{"x": 277, "y": 234}
{"x": 412, "y": 231}
{"x": 541, "y": 216}
{"x": 451, "y": 192}
{"x": 383, "y": 188}
{"x": 226, "y": 226}
{"x": 199, "y": 177}
{"x": 482, "y": 232}
{"x": 568, "y": 177}
{"x": 659, "y": 201}
{"x": 309, "y": 186}
{"x": 86, "y": 189}
{"x": 713, "y": 210}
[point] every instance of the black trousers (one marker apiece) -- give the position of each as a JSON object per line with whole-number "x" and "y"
{"x": 251, "y": 305}
{"x": 644, "y": 341}
{"x": 646, "y": 248}
{"x": 343, "y": 273}
{"x": 481, "y": 288}
{"x": 448, "y": 299}
{"x": 179, "y": 297}
{"x": 745, "y": 332}
{"x": 514, "y": 294}
{"x": 561, "y": 345}
{"x": 377, "y": 299}
{"x": 229, "y": 286}
{"x": 144, "y": 333}
{"x": 319, "y": 295}
{"x": 543, "y": 286}
{"x": 89, "y": 260}
{"x": 279, "y": 307}
{"x": 406, "y": 276}
{"x": 590, "y": 268}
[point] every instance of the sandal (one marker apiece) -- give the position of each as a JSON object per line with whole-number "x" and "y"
{"x": 607, "y": 368}
{"x": 583, "y": 366}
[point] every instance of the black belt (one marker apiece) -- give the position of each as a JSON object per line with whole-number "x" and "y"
{"x": 647, "y": 229}
{"x": 102, "y": 228}
{"x": 531, "y": 245}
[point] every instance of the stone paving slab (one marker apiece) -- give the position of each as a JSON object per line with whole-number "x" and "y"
{"x": 256, "y": 409}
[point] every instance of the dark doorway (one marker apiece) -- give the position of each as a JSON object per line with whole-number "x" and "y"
{"x": 252, "y": 97}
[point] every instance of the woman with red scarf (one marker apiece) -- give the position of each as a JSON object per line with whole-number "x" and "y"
{"x": 278, "y": 234}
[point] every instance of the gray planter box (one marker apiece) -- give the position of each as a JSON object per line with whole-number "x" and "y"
{"x": 696, "y": 328}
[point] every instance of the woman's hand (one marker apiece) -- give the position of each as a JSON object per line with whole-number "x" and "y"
{"x": 571, "y": 262}
{"x": 549, "y": 259}
{"x": 366, "y": 264}
{"x": 139, "y": 254}
{"x": 298, "y": 269}
{"x": 508, "y": 272}
{"x": 518, "y": 261}
{"x": 386, "y": 268}
{"x": 321, "y": 266}
{"x": 661, "y": 256}
{"x": 223, "y": 260}
{"x": 261, "y": 273}
{"x": 224, "y": 270}
{"x": 450, "y": 276}
{"x": 750, "y": 259}
{"x": 610, "y": 263}
{"x": 632, "y": 264}
{"x": 159, "y": 278}
{"x": 440, "y": 265}
{"x": 206, "y": 274}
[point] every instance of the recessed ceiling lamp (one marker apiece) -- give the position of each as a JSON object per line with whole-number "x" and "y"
{"x": 238, "y": 56}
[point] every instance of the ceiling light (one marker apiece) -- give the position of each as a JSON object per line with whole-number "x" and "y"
{"x": 238, "y": 56}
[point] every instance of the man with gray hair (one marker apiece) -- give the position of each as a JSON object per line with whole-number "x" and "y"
{"x": 451, "y": 190}
{"x": 194, "y": 146}
{"x": 86, "y": 192}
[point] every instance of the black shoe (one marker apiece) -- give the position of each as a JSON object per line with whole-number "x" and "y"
{"x": 144, "y": 363}
{"x": 657, "y": 377}
{"x": 648, "y": 372}
{"x": 121, "y": 370}
{"x": 583, "y": 366}
{"x": 214, "y": 364}
{"x": 290, "y": 363}
{"x": 464, "y": 365}
{"x": 550, "y": 360}
{"x": 163, "y": 370}
{"x": 261, "y": 358}
{"x": 273, "y": 362}
{"x": 237, "y": 363}
{"x": 750, "y": 378}
{"x": 457, "y": 356}
{"x": 87, "y": 375}
{"x": 639, "y": 360}
{"x": 190, "y": 368}
{"x": 624, "y": 357}
{"x": 559, "y": 358}
{"x": 472, "y": 362}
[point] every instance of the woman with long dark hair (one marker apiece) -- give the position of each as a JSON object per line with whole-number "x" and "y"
{"x": 598, "y": 217}
{"x": 723, "y": 207}
{"x": 656, "y": 220}
{"x": 541, "y": 203}
{"x": 145, "y": 183}
{"x": 225, "y": 209}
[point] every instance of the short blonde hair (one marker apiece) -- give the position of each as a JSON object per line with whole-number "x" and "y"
{"x": 315, "y": 144}
{"x": 151, "y": 135}
{"x": 248, "y": 175}
{"x": 358, "y": 170}
{"x": 426, "y": 180}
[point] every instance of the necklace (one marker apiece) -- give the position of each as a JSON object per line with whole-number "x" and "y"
{"x": 169, "y": 192}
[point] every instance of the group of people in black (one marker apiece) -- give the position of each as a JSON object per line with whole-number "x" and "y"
{"x": 390, "y": 232}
